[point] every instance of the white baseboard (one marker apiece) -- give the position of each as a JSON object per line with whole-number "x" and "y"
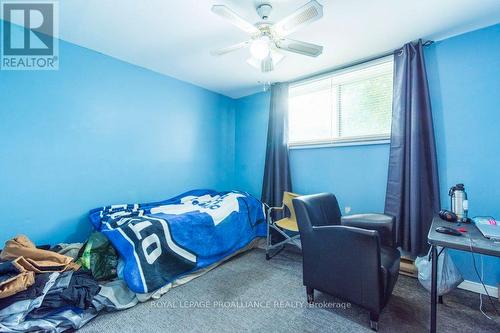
{"x": 478, "y": 288}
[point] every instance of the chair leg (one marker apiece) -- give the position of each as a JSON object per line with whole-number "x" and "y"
{"x": 268, "y": 237}
{"x": 310, "y": 295}
{"x": 374, "y": 321}
{"x": 272, "y": 253}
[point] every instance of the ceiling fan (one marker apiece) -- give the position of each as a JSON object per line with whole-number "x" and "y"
{"x": 268, "y": 39}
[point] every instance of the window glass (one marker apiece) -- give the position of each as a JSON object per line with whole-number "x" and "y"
{"x": 352, "y": 105}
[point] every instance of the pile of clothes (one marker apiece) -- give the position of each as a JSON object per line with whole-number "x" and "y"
{"x": 60, "y": 288}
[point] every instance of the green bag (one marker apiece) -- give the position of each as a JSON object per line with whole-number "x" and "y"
{"x": 100, "y": 257}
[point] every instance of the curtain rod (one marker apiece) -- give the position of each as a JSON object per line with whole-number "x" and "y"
{"x": 356, "y": 63}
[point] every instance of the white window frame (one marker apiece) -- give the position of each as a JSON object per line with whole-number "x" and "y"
{"x": 343, "y": 142}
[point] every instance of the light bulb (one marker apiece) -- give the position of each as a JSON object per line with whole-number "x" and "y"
{"x": 260, "y": 47}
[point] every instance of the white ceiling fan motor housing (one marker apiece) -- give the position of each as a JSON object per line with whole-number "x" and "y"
{"x": 264, "y": 10}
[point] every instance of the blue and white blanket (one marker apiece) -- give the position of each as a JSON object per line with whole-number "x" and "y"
{"x": 163, "y": 241}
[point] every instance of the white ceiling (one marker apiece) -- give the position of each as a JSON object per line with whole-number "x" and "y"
{"x": 175, "y": 37}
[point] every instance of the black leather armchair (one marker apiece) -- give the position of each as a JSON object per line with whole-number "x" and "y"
{"x": 350, "y": 257}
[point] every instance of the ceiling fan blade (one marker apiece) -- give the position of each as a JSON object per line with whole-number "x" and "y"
{"x": 234, "y": 18}
{"x": 306, "y": 14}
{"x": 231, "y": 48}
{"x": 295, "y": 46}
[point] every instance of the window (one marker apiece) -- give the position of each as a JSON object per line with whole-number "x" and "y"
{"x": 346, "y": 106}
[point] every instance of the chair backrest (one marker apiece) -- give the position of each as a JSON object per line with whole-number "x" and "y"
{"x": 316, "y": 210}
{"x": 287, "y": 202}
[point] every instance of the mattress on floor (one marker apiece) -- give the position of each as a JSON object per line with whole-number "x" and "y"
{"x": 164, "y": 241}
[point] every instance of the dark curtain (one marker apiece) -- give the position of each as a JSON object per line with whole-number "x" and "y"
{"x": 277, "y": 169}
{"x": 412, "y": 186}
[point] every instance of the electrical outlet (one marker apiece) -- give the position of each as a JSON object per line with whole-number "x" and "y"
{"x": 347, "y": 209}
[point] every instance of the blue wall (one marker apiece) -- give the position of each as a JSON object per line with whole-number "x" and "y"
{"x": 356, "y": 174}
{"x": 251, "y": 118}
{"x": 100, "y": 131}
{"x": 464, "y": 82}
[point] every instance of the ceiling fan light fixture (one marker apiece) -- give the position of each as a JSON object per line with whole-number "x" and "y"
{"x": 267, "y": 64}
{"x": 267, "y": 39}
{"x": 261, "y": 47}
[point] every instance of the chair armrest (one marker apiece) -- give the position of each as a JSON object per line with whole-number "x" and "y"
{"x": 276, "y": 208}
{"x": 384, "y": 224}
{"x": 269, "y": 212}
